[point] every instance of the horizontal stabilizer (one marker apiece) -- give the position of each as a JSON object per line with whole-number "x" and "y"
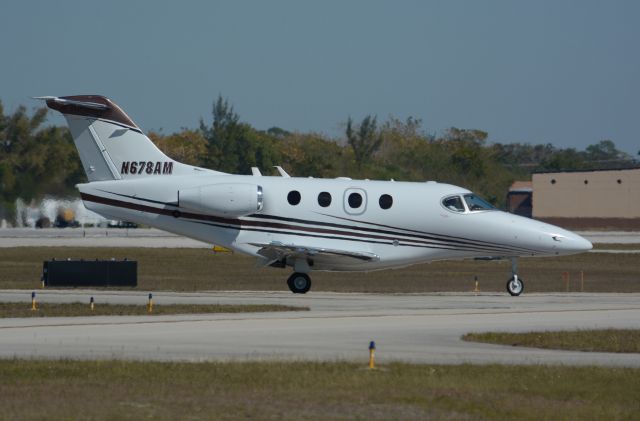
{"x": 82, "y": 104}
{"x": 92, "y": 106}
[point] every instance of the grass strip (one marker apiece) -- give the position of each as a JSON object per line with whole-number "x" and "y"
{"x": 201, "y": 270}
{"x": 79, "y": 309}
{"x": 605, "y": 340}
{"x": 312, "y": 391}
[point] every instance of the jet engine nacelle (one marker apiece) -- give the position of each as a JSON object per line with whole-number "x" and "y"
{"x": 224, "y": 199}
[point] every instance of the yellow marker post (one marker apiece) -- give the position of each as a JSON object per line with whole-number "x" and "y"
{"x": 220, "y": 249}
{"x": 477, "y": 288}
{"x": 34, "y": 306}
{"x": 91, "y": 303}
{"x": 150, "y": 303}
{"x": 372, "y": 355}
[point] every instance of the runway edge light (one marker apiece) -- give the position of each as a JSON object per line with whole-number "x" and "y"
{"x": 372, "y": 354}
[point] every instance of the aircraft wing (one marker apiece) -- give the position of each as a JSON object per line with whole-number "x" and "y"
{"x": 279, "y": 252}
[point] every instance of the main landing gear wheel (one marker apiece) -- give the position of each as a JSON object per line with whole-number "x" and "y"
{"x": 515, "y": 286}
{"x": 299, "y": 283}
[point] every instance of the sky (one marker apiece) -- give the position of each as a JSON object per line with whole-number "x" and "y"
{"x": 545, "y": 71}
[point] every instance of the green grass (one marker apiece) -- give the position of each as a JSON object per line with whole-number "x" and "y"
{"x": 200, "y": 269}
{"x": 606, "y": 340}
{"x": 312, "y": 391}
{"x": 79, "y": 309}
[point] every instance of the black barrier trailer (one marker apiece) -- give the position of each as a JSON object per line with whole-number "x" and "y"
{"x": 90, "y": 273}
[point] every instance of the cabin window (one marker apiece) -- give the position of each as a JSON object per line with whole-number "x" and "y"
{"x": 453, "y": 203}
{"x": 474, "y": 203}
{"x": 355, "y": 200}
{"x": 385, "y": 201}
{"x": 324, "y": 199}
{"x": 293, "y": 197}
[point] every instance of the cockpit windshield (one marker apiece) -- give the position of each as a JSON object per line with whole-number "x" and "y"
{"x": 454, "y": 203}
{"x": 474, "y": 203}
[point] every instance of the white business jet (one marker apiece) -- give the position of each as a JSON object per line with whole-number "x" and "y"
{"x": 305, "y": 223}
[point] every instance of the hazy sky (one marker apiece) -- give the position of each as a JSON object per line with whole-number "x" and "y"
{"x": 564, "y": 72}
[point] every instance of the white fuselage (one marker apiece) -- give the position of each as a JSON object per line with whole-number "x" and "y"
{"x": 305, "y": 223}
{"x": 415, "y": 228}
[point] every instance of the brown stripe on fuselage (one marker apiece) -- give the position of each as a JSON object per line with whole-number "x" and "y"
{"x": 405, "y": 232}
{"x": 400, "y": 234}
{"x": 239, "y": 224}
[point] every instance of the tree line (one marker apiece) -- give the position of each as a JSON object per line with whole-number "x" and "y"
{"x": 38, "y": 160}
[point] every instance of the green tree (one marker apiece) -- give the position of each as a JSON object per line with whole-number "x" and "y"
{"x": 35, "y": 161}
{"x": 310, "y": 154}
{"x": 186, "y": 146}
{"x": 223, "y": 136}
{"x": 564, "y": 159}
{"x": 605, "y": 150}
{"x": 365, "y": 139}
{"x": 234, "y": 146}
{"x": 468, "y": 136}
{"x": 467, "y": 153}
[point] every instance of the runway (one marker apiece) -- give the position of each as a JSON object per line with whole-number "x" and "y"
{"x": 408, "y": 327}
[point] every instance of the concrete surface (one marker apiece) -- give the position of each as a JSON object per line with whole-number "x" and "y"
{"x": 409, "y": 327}
{"x": 95, "y": 237}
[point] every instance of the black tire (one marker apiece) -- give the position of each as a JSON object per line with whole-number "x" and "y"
{"x": 515, "y": 286}
{"x": 299, "y": 283}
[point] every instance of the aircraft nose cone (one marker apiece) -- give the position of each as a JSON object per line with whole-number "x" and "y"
{"x": 580, "y": 244}
{"x": 573, "y": 243}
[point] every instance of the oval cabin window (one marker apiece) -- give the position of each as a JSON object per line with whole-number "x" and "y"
{"x": 355, "y": 200}
{"x": 324, "y": 199}
{"x": 293, "y": 197}
{"x": 385, "y": 201}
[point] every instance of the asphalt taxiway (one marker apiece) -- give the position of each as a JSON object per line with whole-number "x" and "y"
{"x": 423, "y": 328}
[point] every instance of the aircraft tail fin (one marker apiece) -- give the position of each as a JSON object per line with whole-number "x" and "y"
{"x": 110, "y": 144}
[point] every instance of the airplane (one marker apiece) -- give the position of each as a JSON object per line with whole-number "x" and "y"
{"x": 308, "y": 224}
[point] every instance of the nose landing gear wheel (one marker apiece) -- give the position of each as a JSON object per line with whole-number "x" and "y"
{"x": 515, "y": 286}
{"x": 299, "y": 283}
